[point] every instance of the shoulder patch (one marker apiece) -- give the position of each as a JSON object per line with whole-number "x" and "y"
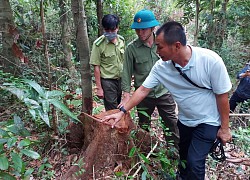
{"x": 99, "y": 40}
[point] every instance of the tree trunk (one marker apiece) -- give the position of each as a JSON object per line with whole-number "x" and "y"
{"x": 99, "y": 12}
{"x": 82, "y": 45}
{"x": 197, "y": 11}
{"x": 8, "y": 58}
{"x": 108, "y": 150}
{"x": 66, "y": 39}
{"x": 211, "y": 27}
{"x": 223, "y": 25}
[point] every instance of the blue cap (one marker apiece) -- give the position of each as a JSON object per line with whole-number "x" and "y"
{"x": 144, "y": 19}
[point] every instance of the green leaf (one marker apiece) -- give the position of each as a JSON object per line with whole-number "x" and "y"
{"x": 144, "y": 175}
{"x": 4, "y": 175}
{"x": 144, "y": 158}
{"x": 41, "y": 168}
{"x": 18, "y": 123}
{"x": 119, "y": 174}
{"x": 132, "y": 152}
{"x": 53, "y": 94}
{"x": 33, "y": 113}
{"x": 1, "y": 148}
{"x": 12, "y": 128}
{"x": 48, "y": 165}
{"x": 23, "y": 143}
{"x": 4, "y": 133}
{"x": 4, "y": 163}
{"x": 2, "y": 141}
{"x": 36, "y": 86}
{"x": 31, "y": 103}
{"x": 144, "y": 113}
{"x": 44, "y": 117}
{"x": 28, "y": 172}
{"x": 16, "y": 91}
{"x": 79, "y": 103}
{"x": 31, "y": 153}
{"x": 63, "y": 108}
{"x": 11, "y": 142}
{"x": 17, "y": 161}
{"x": 45, "y": 105}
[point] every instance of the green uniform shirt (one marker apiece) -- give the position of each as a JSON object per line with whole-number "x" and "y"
{"x": 108, "y": 56}
{"x": 139, "y": 59}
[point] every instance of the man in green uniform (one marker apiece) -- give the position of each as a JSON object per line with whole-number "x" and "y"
{"x": 107, "y": 58}
{"x": 140, "y": 56}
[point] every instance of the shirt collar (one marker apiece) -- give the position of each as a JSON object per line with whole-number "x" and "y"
{"x": 140, "y": 43}
{"x": 116, "y": 43}
{"x": 190, "y": 63}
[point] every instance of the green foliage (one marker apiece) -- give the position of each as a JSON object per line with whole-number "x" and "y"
{"x": 243, "y": 139}
{"x": 15, "y": 149}
{"x": 238, "y": 20}
{"x": 80, "y": 164}
{"x": 38, "y": 100}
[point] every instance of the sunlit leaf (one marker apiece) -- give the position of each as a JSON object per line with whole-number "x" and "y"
{"x": 31, "y": 102}
{"x": 53, "y": 94}
{"x": 2, "y": 141}
{"x": 11, "y": 142}
{"x": 36, "y": 86}
{"x": 144, "y": 175}
{"x": 23, "y": 143}
{"x": 44, "y": 117}
{"x": 31, "y": 153}
{"x": 33, "y": 113}
{"x": 12, "y": 128}
{"x": 16, "y": 91}
{"x": 3, "y": 133}
{"x": 63, "y": 108}
{"x": 18, "y": 122}
{"x": 28, "y": 172}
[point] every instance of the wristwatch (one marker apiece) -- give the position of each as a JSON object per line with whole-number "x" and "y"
{"x": 123, "y": 109}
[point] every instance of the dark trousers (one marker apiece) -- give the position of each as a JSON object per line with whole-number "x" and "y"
{"x": 234, "y": 100}
{"x": 112, "y": 93}
{"x": 194, "y": 146}
{"x": 166, "y": 108}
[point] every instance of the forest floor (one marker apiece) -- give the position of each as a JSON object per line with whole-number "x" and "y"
{"x": 235, "y": 167}
{"x": 61, "y": 158}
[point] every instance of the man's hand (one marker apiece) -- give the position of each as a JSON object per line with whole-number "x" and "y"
{"x": 247, "y": 73}
{"x": 117, "y": 117}
{"x": 225, "y": 135}
{"x": 99, "y": 93}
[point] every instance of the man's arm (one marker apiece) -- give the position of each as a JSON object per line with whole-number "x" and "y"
{"x": 97, "y": 74}
{"x": 137, "y": 97}
{"x": 224, "y": 132}
{"x": 125, "y": 99}
{"x": 127, "y": 75}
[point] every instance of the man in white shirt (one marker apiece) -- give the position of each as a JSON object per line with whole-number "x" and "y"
{"x": 203, "y": 107}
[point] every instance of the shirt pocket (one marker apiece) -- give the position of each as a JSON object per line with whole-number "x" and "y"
{"x": 142, "y": 65}
{"x": 108, "y": 57}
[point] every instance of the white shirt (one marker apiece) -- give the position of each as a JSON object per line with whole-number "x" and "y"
{"x": 195, "y": 105}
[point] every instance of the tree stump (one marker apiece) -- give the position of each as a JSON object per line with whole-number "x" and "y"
{"x": 106, "y": 150}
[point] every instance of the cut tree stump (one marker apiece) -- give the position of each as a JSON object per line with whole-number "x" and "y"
{"x": 105, "y": 149}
